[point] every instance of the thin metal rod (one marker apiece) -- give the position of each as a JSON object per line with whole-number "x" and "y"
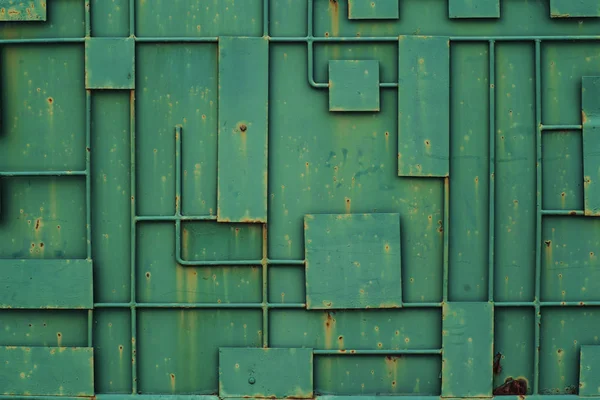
{"x": 265, "y": 18}
{"x": 562, "y": 212}
{"x": 132, "y": 18}
{"x": 561, "y": 127}
{"x": 492, "y": 169}
{"x": 88, "y": 189}
{"x": 33, "y": 174}
{"x": 265, "y": 288}
{"x": 446, "y": 227}
{"x": 377, "y": 352}
{"x": 172, "y": 218}
{"x": 538, "y": 214}
{"x": 43, "y": 41}
{"x": 149, "y": 39}
{"x": 88, "y": 23}
{"x": 132, "y": 172}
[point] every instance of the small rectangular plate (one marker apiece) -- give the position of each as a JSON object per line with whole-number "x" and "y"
{"x": 574, "y": 8}
{"x": 590, "y": 103}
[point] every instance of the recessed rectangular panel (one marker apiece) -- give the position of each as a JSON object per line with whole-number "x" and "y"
{"x": 109, "y": 63}
{"x": 468, "y": 342}
{"x": 273, "y": 372}
{"x": 574, "y": 8}
{"x": 50, "y": 371}
{"x": 474, "y": 8}
{"x": 589, "y": 371}
{"x": 46, "y": 284}
{"x": 590, "y": 102}
{"x": 243, "y": 120}
{"x": 352, "y": 261}
{"x": 354, "y": 85}
{"x": 23, "y": 10}
{"x": 424, "y": 106}
{"x": 373, "y": 9}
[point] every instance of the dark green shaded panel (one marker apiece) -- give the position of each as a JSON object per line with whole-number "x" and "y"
{"x": 353, "y": 85}
{"x": 22, "y": 10}
{"x": 590, "y": 104}
{"x": 574, "y": 8}
{"x": 243, "y": 129}
{"x": 213, "y": 241}
{"x": 43, "y": 328}
{"x": 46, "y": 284}
{"x": 110, "y": 18}
{"x": 423, "y": 106}
{"x": 198, "y": 18}
{"x": 109, "y": 63}
{"x": 474, "y": 9}
{"x": 563, "y": 66}
{"x": 271, "y": 372}
{"x": 514, "y": 346}
{"x": 515, "y": 201}
{"x": 112, "y": 351}
{"x": 56, "y": 371}
{"x": 287, "y": 18}
{"x": 156, "y": 397}
{"x": 381, "y": 375}
{"x": 373, "y": 9}
{"x": 43, "y": 217}
{"x": 562, "y": 161}
{"x": 178, "y": 349}
{"x": 357, "y": 330}
{"x": 67, "y": 19}
{"x": 563, "y": 332}
{"x": 352, "y": 261}
{"x": 570, "y": 267}
{"x": 43, "y": 108}
{"x": 589, "y": 371}
{"x": 176, "y": 84}
{"x": 111, "y": 196}
{"x": 287, "y": 284}
{"x": 430, "y": 17}
{"x": 469, "y": 168}
{"x": 468, "y": 342}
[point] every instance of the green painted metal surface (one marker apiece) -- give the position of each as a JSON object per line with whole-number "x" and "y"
{"x": 179, "y": 177}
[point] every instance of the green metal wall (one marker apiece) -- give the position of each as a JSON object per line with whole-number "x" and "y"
{"x": 299, "y": 198}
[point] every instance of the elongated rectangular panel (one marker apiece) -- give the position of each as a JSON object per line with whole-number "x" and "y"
{"x": 243, "y": 120}
{"x": 23, "y": 10}
{"x": 574, "y": 8}
{"x": 590, "y": 103}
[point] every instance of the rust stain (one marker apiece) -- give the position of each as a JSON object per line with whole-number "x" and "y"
{"x": 497, "y": 366}
{"x": 329, "y": 329}
{"x": 334, "y": 12}
{"x": 512, "y": 386}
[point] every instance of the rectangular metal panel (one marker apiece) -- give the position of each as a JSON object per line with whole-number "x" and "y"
{"x": 474, "y": 8}
{"x": 590, "y": 103}
{"x": 23, "y": 10}
{"x": 243, "y": 127}
{"x": 574, "y": 8}
{"x": 50, "y": 371}
{"x": 266, "y": 373}
{"x": 29, "y": 284}
{"x": 423, "y": 106}
{"x": 353, "y": 85}
{"x": 373, "y": 9}
{"x": 589, "y": 371}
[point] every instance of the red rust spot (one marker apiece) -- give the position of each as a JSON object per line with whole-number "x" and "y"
{"x": 37, "y": 224}
{"x": 497, "y": 367}
{"x": 513, "y": 387}
{"x": 548, "y": 243}
{"x": 243, "y": 128}
{"x": 50, "y": 100}
{"x": 572, "y": 213}
{"x": 41, "y": 244}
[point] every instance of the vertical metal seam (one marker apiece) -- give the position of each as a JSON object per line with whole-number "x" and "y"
{"x": 538, "y": 213}
{"x": 446, "y": 254}
{"x": 132, "y": 178}
{"x": 88, "y": 179}
{"x": 492, "y": 168}
{"x": 265, "y": 288}
{"x": 88, "y": 24}
{"x": 132, "y": 18}
{"x": 266, "y": 18}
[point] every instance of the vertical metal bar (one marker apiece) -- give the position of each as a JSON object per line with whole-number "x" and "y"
{"x": 538, "y": 214}
{"x": 492, "y": 166}
{"x": 131, "y": 17}
{"x": 309, "y": 13}
{"x": 88, "y": 24}
{"x": 88, "y": 193}
{"x": 133, "y": 239}
{"x": 446, "y": 227}
{"x": 178, "y": 132}
{"x": 265, "y": 18}
{"x": 309, "y": 42}
{"x": 265, "y": 288}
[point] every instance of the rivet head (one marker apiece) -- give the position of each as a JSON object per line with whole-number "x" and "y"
{"x": 251, "y": 380}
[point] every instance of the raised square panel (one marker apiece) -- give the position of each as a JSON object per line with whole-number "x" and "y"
{"x": 353, "y": 85}
{"x": 574, "y": 8}
{"x": 352, "y": 261}
{"x": 266, "y": 373}
{"x": 373, "y": 9}
{"x": 110, "y": 63}
{"x": 474, "y": 9}
{"x": 22, "y": 10}
{"x": 589, "y": 371}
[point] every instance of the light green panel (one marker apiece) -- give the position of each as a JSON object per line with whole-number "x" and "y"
{"x": 43, "y": 217}
{"x": 198, "y": 18}
{"x": 287, "y": 284}
{"x": 43, "y": 108}
{"x": 515, "y": 173}
{"x": 381, "y": 375}
{"x": 357, "y": 330}
{"x": 353, "y": 85}
{"x": 563, "y": 66}
{"x": 112, "y": 351}
{"x": 161, "y": 279}
{"x": 160, "y": 106}
{"x": 430, "y": 17}
{"x": 589, "y": 371}
{"x": 111, "y": 195}
{"x": 570, "y": 266}
{"x": 109, "y": 63}
{"x": 66, "y": 18}
{"x": 335, "y": 165}
{"x": 562, "y": 337}
{"x": 474, "y": 9}
{"x": 373, "y": 9}
{"x": 469, "y": 169}
{"x": 590, "y": 114}
{"x": 514, "y": 346}
{"x": 54, "y": 371}
{"x": 45, "y": 328}
{"x": 423, "y": 106}
{"x": 574, "y": 8}
{"x": 468, "y": 337}
{"x": 562, "y": 160}
{"x": 259, "y": 372}
{"x": 17, "y": 10}
{"x": 287, "y": 18}
{"x": 243, "y": 130}
{"x": 168, "y": 338}
{"x": 110, "y": 18}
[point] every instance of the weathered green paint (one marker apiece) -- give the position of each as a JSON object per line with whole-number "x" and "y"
{"x": 46, "y": 284}
{"x": 352, "y": 261}
{"x": 590, "y": 103}
{"x": 468, "y": 343}
{"x": 271, "y": 373}
{"x": 474, "y": 8}
{"x": 243, "y": 129}
{"x": 55, "y": 371}
{"x": 22, "y": 10}
{"x": 423, "y": 106}
{"x": 574, "y": 8}
{"x": 373, "y": 9}
{"x": 109, "y": 63}
{"x": 353, "y": 85}
{"x": 589, "y": 371}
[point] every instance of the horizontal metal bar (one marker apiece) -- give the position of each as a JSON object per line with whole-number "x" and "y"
{"x": 158, "y": 218}
{"x": 212, "y": 39}
{"x": 45, "y": 40}
{"x": 561, "y": 127}
{"x": 286, "y": 262}
{"x": 421, "y": 305}
{"x": 522, "y": 38}
{"x": 562, "y": 212}
{"x": 377, "y": 352}
{"x": 199, "y": 305}
{"x": 234, "y": 263}
{"x": 286, "y": 305}
{"x": 41, "y": 173}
